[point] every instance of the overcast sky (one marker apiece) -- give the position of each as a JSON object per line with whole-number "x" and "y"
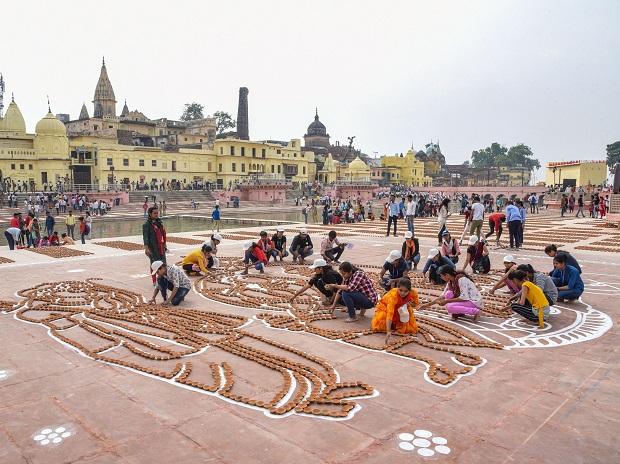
{"x": 392, "y": 73}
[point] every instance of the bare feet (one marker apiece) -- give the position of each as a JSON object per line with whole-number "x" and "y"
{"x": 477, "y": 316}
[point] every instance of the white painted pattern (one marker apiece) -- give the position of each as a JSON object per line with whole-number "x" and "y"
{"x": 423, "y": 443}
{"x": 53, "y": 435}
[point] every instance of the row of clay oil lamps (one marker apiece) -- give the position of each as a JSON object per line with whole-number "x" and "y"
{"x": 58, "y": 252}
{"x": 121, "y": 245}
{"x": 183, "y": 240}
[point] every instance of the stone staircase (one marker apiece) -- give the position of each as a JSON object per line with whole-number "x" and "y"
{"x": 174, "y": 196}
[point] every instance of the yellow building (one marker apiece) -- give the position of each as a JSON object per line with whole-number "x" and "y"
{"x": 37, "y": 158}
{"x": 403, "y": 169}
{"x": 513, "y": 176}
{"x": 576, "y": 173}
{"x": 133, "y": 149}
{"x": 329, "y": 173}
{"x": 356, "y": 170}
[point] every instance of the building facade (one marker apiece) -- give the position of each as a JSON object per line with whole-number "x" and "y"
{"x": 576, "y": 173}
{"x": 133, "y": 149}
{"x": 403, "y": 169}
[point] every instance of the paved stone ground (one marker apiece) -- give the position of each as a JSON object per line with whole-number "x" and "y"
{"x": 549, "y": 396}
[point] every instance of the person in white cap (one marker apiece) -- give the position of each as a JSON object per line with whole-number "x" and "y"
{"x": 331, "y": 248}
{"x": 397, "y": 268}
{"x": 170, "y": 277}
{"x": 215, "y": 240}
{"x": 279, "y": 245}
{"x": 411, "y": 250}
{"x": 324, "y": 275}
{"x": 394, "y": 311}
{"x": 301, "y": 247}
{"x": 450, "y": 247}
{"x": 253, "y": 253}
{"x": 477, "y": 256}
{"x": 433, "y": 263}
{"x": 509, "y": 266}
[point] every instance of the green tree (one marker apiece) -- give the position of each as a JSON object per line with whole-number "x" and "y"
{"x": 192, "y": 111}
{"x": 489, "y": 157}
{"x": 522, "y": 155}
{"x": 224, "y": 121}
{"x": 613, "y": 154}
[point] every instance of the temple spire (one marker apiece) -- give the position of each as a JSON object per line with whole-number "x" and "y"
{"x": 49, "y": 108}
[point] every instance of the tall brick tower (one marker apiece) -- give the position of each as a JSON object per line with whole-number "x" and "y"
{"x": 243, "y": 131}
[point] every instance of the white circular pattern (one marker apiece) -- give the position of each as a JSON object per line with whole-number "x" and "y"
{"x": 421, "y": 442}
{"x": 54, "y": 435}
{"x": 405, "y": 445}
{"x": 2, "y": 372}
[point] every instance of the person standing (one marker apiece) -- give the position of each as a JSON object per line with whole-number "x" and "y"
{"x": 70, "y": 223}
{"x": 477, "y": 216}
{"x": 410, "y": 208}
{"x": 393, "y": 210}
{"x": 442, "y": 218}
{"x": 522, "y": 213}
{"x": 154, "y": 238}
{"x": 83, "y": 229}
{"x": 49, "y": 223}
{"x": 215, "y": 219}
{"x": 513, "y": 218}
{"x": 580, "y": 206}
{"x": 145, "y": 207}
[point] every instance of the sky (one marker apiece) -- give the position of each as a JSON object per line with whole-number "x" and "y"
{"x": 391, "y": 73}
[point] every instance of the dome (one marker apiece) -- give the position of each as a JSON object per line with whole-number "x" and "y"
{"x": 50, "y": 125}
{"x": 316, "y": 127}
{"x": 13, "y": 120}
{"x": 358, "y": 165}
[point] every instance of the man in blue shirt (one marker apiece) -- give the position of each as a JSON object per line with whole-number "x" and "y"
{"x": 522, "y": 212}
{"x": 566, "y": 279}
{"x": 393, "y": 210}
{"x": 514, "y": 220}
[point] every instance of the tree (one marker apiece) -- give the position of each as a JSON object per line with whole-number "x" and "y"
{"x": 489, "y": 157}
{"x": 522, "y": 155}
{"x": 224, "y": 121}
{"x": 613, "y": 154}
{"x": 466, "y": 163}
{"x": 192, "y": 111}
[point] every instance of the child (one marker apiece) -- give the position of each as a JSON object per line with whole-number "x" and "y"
{"x": 533, "y": 303}
{"x": 45, "y": 241}
{"x": 83, "y": 229}
{"x": 54, "y": 239}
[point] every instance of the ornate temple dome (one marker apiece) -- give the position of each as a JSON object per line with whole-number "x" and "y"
{"x": 358, "y": 165}
{"x": 317, "y": 127}
{"x": 50, "y": 125}
{"x": 13, "y": 120}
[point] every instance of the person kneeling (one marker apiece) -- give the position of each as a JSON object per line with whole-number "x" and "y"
{"x": 357, "y": 291}
{"x": 566, "y": 279}
{"x": 394, "y": 312}
{"x": 323, "y": 275}
{"x": 170, "y": 277}
{"x": 460, "y": 297}
{"x": 532, "y": 303}
{"x": 331, "y": 248}
{"x": 433, "y": 263}
{"x": 397, "y": 268}
{"x": 254, "y": 254}
{"x": 198, "y": 261}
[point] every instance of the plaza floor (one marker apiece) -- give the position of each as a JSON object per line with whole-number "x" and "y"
{"x": 89, "y": 373}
